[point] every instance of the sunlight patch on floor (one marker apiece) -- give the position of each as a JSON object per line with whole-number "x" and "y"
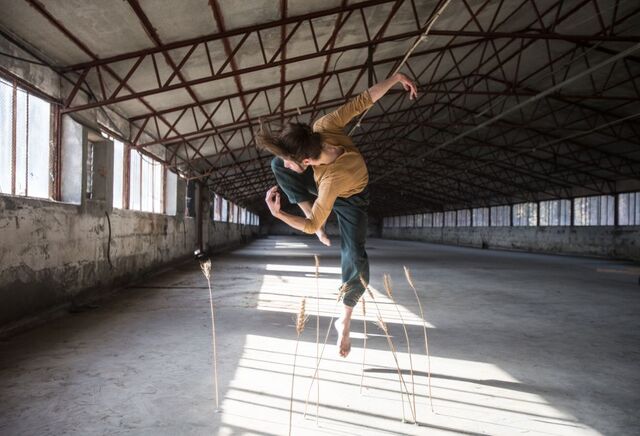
{"x": 468, "y": 397}
{"x": 283, "y": 292}
{"x": 289, "y": 244}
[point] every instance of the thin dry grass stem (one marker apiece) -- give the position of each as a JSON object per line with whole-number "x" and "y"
{"x": 301, "y": 320}
{"x": 366, "y": 287}
{"x": 383, "y": 326}
{"x": 326, "y": 337}
{"x": 364, "y": 347}
{"x": 389, "y": 289}
{"x": 206, "y": 270}
{"x": 407, "y": 273}
{"x": 317, "y": 259}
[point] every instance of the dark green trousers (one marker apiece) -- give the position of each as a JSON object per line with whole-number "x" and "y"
{"x": 352, "y": 221}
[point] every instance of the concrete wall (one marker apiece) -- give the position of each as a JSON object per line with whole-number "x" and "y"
{"x": 621, "y": 242}
{"x": 53, "y": 254}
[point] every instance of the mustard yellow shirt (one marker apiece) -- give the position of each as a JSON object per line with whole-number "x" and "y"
{"x": 348, "y": 174}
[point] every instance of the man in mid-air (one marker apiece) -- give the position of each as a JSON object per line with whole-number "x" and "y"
{"x": 321, "y": 170}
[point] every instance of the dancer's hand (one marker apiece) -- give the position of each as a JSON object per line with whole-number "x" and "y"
{"x": 273, "y": 201}
{"x": 322, "y": 236}
{"x": 409, "y": 85}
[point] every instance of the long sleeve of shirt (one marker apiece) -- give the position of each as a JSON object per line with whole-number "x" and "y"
{"x": 321, "y": 207}
{"x": 339, "y": 118}
{"x": 347, "y": 175}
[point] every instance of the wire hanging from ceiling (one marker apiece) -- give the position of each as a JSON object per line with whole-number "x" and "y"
{"x": 423, "y": 37}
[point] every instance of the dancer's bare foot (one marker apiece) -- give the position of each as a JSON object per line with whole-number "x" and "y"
{"x": 344, "y": 341}
{"x": 322, "y": 236}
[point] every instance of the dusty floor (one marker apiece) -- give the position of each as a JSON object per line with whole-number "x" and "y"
{"x": 520, "y": 344}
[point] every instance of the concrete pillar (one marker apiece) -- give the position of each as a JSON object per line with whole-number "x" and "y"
{"x": 572, "y": 212}
{"x": 199, "y": 215}
{"x": 181, "y": 200}
{"x": 511, "y": 215}
{"x": 192, "y": 195}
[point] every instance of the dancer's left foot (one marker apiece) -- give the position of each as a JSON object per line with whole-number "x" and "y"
{"x": 344, "y": 341}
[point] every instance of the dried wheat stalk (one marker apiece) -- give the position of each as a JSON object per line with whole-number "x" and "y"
{"x": 382, "y": 325}
{"x": 326, "y": 337}
{"x": 407, "y": 273}
{"x": 301, "y": 320}
{"x": 317, "y": 259}
{"x": 364, "y": 347}
{"x": 206, "y": 270}
{"x": 388, "y": 288}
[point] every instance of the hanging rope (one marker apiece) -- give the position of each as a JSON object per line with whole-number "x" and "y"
{"x": 423, "y": 37}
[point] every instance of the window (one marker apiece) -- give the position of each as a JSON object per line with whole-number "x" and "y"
{"x": 525, "y": 214}
{"x": 481, "y": 217}
{"x": 171, "y": 193}
{"x": 500, "y": 216}
{"x": 417, "y": 220}
{"x": 410, "y": 222}
{"x": 555, "y": 213}
{"x": 629, "y": 209}
{"x": 593, "y": 211}
{"x": 146, "y": 183}
{"x": 463, "y": 218}
{"x": 427, "y": 220}
{"x": 232, "y": 212}
{"x": 438, "y": 219}
{"x": 118, "y": 170}
{"x": 217, "y": 208}
{"x": 118, "y": 173}
{"x": 25, "y": 161}
{"x": 224, "y": 214}
{"x": 450, "y": 218}
{"x": 88, "y": 170}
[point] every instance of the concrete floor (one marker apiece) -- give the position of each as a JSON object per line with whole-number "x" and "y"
{"x": 520, "y": 343}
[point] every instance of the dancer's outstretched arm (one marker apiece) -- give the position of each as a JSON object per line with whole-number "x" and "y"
{"x": 379, "y": 89}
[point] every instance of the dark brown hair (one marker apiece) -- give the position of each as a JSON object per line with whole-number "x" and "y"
{"x": 296, "y": 142}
